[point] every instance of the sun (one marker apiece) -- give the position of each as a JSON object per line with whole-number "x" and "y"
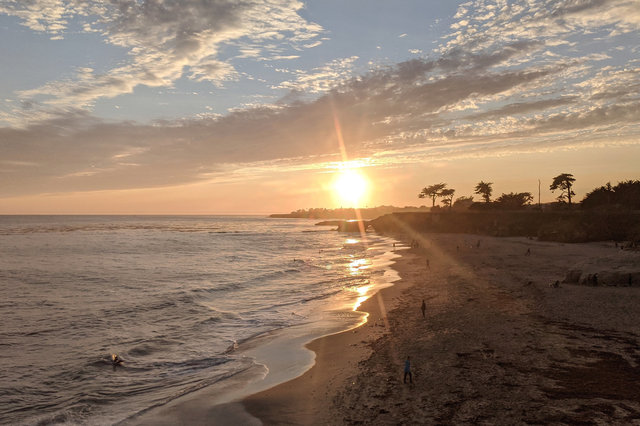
{"x": 350, "y": 186}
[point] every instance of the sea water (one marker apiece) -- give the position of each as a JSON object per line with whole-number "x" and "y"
{"x": 187, "y": 302}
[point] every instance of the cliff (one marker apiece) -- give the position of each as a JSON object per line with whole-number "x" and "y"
{"x": 563, "y": 226}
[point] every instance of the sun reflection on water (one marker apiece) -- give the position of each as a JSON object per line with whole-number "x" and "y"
{"x": 357, "y": 265}
{"x": 364, "y": 295}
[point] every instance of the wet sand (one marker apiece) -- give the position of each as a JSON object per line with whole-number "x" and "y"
{"x": 499, "y": 344}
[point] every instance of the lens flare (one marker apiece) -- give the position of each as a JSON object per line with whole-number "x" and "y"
{"x": 350, "y": 186}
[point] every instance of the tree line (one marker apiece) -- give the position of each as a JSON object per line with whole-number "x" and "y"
{"x": 346, "y": 213}
{"x": 625, "y": 194}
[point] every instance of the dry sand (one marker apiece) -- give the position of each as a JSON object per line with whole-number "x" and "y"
{"x": 499, "y": 345}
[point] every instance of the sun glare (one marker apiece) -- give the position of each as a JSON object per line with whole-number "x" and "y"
{"x": 350, "y": 187}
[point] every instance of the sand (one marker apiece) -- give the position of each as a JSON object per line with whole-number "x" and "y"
{"x": 499, "y": 344}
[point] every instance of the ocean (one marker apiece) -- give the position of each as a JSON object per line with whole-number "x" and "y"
{"x": 187, "y": 302}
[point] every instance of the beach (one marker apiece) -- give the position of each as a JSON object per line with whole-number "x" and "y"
{"x": 503, "y": 341}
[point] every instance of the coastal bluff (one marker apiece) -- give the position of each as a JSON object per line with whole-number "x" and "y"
{"x": 560, "y": 226}
{"x": 346, "y": 225}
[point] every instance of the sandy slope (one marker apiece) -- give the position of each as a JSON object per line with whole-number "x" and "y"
{"x": 498, "y": 345}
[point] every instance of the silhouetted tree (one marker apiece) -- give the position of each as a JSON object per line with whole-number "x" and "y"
{"x": 462, "y": 203}
{"x": 625, "y": 194}
{"x": 602, "y": 196}
{"x": 563, "y": 182}
{"x": 484, "y": 189}
{"x": 514, "y": 200}
{"x": 447, "y": 196}
{"x": 433, "y": 192}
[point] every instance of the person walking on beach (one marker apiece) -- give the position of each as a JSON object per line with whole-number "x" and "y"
{"x": 423, "y": 308}
{"x": 407, "y": 371}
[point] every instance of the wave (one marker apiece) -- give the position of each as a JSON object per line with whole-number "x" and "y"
{"x": 219, "y": 317}
{"x": 196, "y": 386}
{"x": 110, "y": 227}
{"x": 151, "y": 347}
{"x": 175, "y": 301}
{"x": 219, "y": 287}
{"x": 86, "y": 406}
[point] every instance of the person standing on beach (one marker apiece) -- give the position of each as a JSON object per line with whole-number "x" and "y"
{"x": 423, "y": 308}
{"x": 407, "y": 371}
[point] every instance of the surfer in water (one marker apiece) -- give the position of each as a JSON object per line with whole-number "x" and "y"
{"x": 116, "y": 361}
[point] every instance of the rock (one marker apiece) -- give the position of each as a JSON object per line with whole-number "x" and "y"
{"x": 573, "y": 277}
{"x": 352, "y": 225}
{"x": 329, "y": 223}
{"x": 619, "y": 279}
{"x": 604, "y": 278}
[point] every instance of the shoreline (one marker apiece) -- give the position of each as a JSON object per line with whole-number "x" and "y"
{"x": 500, "y": 343}
{"x": 272, "y": 367}
{"x": 303, "y": 400}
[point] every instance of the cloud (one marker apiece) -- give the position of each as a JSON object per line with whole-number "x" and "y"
{"x": 165, "y": 40}
{"x": 213, "y": 71}
{"x": 523, "y": 108}
{"x": 485, "y": 23}
{"x": 515, "y": 87}
{"x": 320, "y": 79}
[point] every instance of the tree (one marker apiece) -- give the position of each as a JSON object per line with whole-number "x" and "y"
{"x": 432, "y": 191}
{"x": 602, "y": 196}
{"x": 484, "y": 189}
{"x": 628, "y": 194}
{"x": 447, "y": 196}
{"x": 514, "y": 200}
{"x": 625, "y": 194}
{"x": 462, "y": 203}
{"x": 563, "y": 182}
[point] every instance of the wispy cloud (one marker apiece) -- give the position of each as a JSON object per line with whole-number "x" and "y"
{"x": 165, "y": 41}
{"x": 485, "y": 23}
{"x": 511, "y": 76}
{"x": 321, "y": 79}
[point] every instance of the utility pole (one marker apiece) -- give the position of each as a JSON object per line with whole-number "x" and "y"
{"x": 539, "y": 205}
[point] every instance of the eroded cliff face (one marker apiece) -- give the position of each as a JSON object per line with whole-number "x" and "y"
{"x": 346, "y": 225}
{"x": 548, "y": 226}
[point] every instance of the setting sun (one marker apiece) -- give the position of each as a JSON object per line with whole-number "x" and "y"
{"x": 350, "y": 186}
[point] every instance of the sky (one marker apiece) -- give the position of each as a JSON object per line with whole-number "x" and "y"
{"x": 247, "y": 106}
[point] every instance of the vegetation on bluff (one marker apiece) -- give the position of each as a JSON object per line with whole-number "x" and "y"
{"x": 563, "y": 182}
{"x": 606, "y": 213}
{"x": 485, "y": 190}
{"x": 347, "y": 213}
{"x": 433, "y": 192}
{"x": 624, "y": 195}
